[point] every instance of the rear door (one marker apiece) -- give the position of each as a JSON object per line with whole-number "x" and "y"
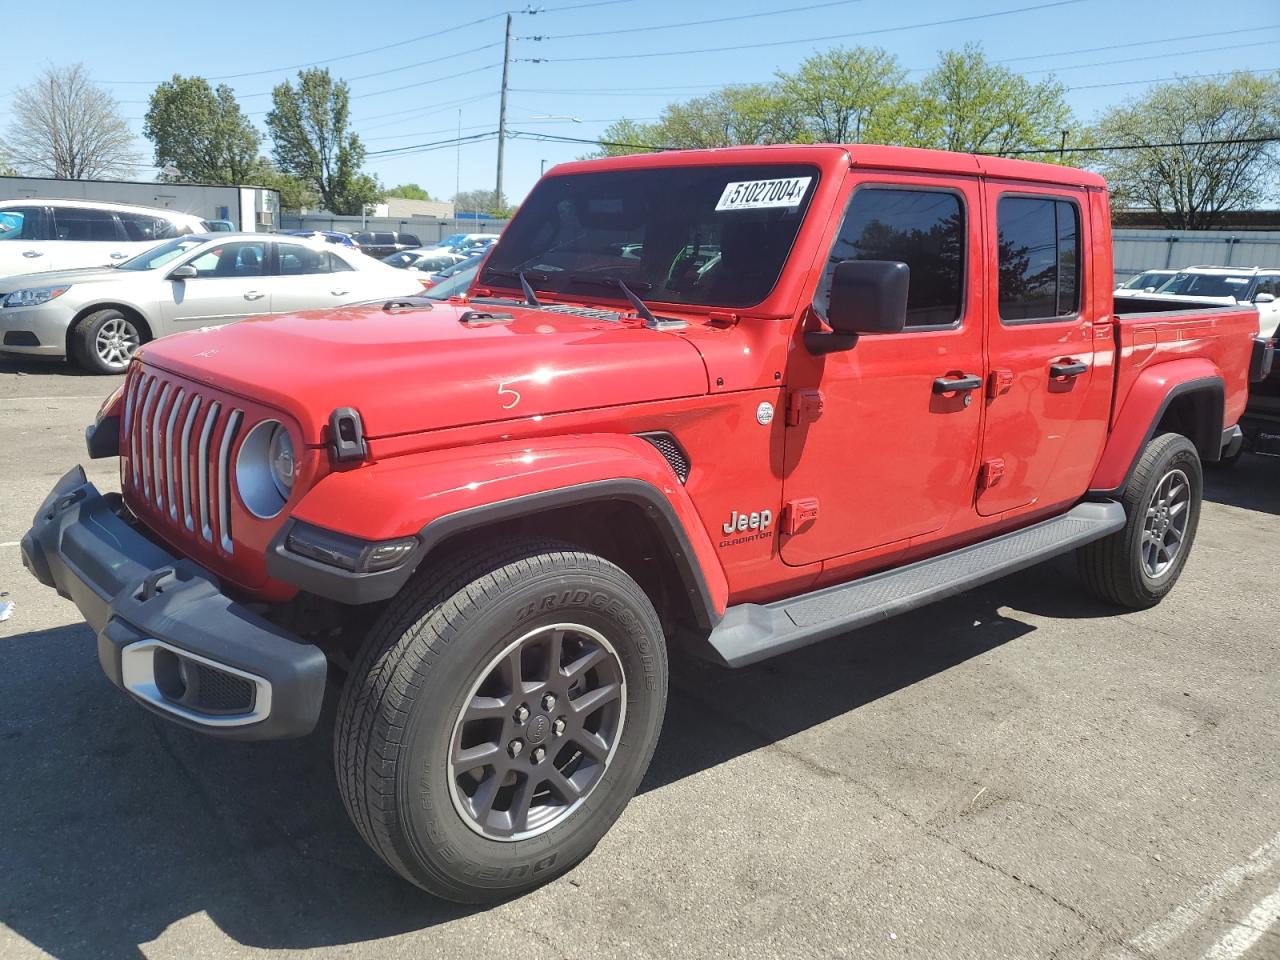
{"x": 1039, "y": 446}
{"x": 893, "y": 454}
{"x": 90, "y": 237}
{"x": 231, "y": 283}
{"x": 312, "y": 278}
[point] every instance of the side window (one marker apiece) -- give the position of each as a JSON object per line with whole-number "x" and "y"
{"x": 85, "y": 224}
{"x": 923, "y": 229}
{"x": 296, "y": 260}
{"x": 337, "y": 264}
{"x": 384, "y": 239}
{"x": 141, "y": 228}
{"x": 244, "y": 259}
{"x": 410, "y": 239}
{"x": 21, "y": 223}
{"x": 1039, "y": 253}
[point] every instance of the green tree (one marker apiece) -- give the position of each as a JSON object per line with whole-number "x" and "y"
{"x": 625, "y": 136}
{"x": 485, "y": 202}
{"x": 845, "y": 95}
{"x": 309, "y": 131}
{"x": 1192, "y": 185}
{"x": 200, "y": 131}
{"x": 739, "y": 114}
{"x": 972, "y": 105}
{"x": 295, "y": 194}
{"x": 408, "y": 191}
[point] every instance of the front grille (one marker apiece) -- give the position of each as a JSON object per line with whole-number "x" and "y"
{"x": 179, "y": 444}
{"x": 671, "y": 451}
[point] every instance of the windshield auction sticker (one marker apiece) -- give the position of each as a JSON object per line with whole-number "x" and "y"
{"x": 762, "y": 194}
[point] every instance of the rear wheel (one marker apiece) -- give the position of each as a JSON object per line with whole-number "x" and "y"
{"x": 499, "y": 718}
{"x": 1136, "y": 566}
{"x": 106, "y": 340}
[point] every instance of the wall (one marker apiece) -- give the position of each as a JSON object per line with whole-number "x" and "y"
{"x": 208, "y": 201}
{"x": 1138, "y": 250}
{"x": 426, "y": 230}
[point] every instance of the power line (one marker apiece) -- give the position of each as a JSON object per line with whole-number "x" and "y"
{"x": 822, "y": 39}
{"x": 1140, "y": 43}
{"x": 1154, "y": 56}
{"x": 1185, "y": 76}
{"x": 435, "y": 143}
{"x": 425, "y": 83}
{"x": 695, "y": 23}
{"x": 1110, "y": 148}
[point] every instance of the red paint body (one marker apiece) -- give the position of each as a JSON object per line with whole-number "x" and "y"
{"x": 460, "y": 415}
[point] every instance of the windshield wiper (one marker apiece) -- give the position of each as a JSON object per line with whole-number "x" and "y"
{"x": 637, "y": 304}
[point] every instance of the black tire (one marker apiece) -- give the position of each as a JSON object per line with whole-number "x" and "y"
{"x": 106, "y": 340}
{"x": 427, "y": 657}
{"x": 1116, "y": 568}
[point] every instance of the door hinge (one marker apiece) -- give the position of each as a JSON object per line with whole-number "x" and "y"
{"x": 798, "y": 514}
{"x": 990, "y": 474}
{"x": 999, "y": 383}
{"x": 804, "y": 406}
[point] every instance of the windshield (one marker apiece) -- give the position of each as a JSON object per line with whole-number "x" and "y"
{"x": 1152, "y": 278}
{"x": 157, "y": 257}
{"x": 711, "y": 236}
{"x": 1209, "y": 285}
{"x": 454, "y": 285}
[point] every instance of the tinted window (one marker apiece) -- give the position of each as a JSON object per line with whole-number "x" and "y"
{"x": 142, "y": 228}
{"x": 923, "y": 229}
{"x": 1039, "y": 258}
{"x": 244, "y": 259}
{"x": 364, "y": 238}
{"x": 85, "y": 223}
{"x": 710, "y": 235}
{"x": 296, "y": 260}
{"x": 409, "y": 239}
{"x": 1209, "y": 285}
{"x": 20, "y": 223}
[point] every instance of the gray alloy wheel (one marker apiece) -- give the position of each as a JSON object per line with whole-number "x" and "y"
{"x": 537, "y": 731}
{"x": 1166, "y": 523}
{"x": 115, "y": 343}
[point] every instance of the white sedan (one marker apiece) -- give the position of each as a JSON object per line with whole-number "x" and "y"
{"x": 99, "y": 316}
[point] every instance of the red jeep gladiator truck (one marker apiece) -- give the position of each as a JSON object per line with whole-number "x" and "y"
{"x": 735, "y": 401}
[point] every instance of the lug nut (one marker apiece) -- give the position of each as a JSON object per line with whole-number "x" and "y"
{"x": 548, "y": 702}
{"x": 522, "y": 714}
{"x": 558, "y": 727}
{"x": 515, "y": 747}
{"x": 537, "y": 755}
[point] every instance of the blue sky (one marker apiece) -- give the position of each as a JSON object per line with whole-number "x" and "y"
{"x": 444, "y": 61}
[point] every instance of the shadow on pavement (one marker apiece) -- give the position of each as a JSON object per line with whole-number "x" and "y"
{"x": 1252, "y": 483}
{"x": 117, "y": 824}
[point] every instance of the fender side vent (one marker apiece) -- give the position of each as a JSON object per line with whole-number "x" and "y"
{"x": 671, "y": 451}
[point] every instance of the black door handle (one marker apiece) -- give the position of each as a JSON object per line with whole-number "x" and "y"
{"x": 947, "y": 385}
{"x": 1073, "y": 369}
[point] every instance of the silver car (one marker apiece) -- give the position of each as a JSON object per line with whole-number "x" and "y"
{"x": 99, "y": 316}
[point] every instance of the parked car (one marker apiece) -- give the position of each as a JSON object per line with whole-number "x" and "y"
{"x": 379, "y": 245}
{"x": 905, "y": 376}
{"x": 66, "y": 234}
{"x": 459, "y": 241}
{"x": 422, "y": 260}
{"x": 457, "y": 283}
{"x": 1228, "y": 286}
{"x": 219, "y": 226}
{"x": 101, "y": 316}
{"x": 1146, "y": 282}
{"x": 329, "y": 236}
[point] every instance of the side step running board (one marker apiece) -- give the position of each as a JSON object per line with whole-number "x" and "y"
{"x": 751, "y": 632}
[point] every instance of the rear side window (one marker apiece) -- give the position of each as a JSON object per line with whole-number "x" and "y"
{"x": 1039, "y": 251}
{"x": 20, "y": 223}
{"x": 86, "y": 224}
{"x": 139, "y": 227}
{"x": 923, "y": 229}
{"x": 410, "y": 239}
{"x": 297, "y": 260}
{"x": 384, "y": 239}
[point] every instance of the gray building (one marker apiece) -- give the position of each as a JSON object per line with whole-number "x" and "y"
{"x": 249, "y": 208}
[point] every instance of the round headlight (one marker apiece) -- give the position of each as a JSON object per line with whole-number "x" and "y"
{"x": 265, "y": 469}
{"x": 281, "y": 453}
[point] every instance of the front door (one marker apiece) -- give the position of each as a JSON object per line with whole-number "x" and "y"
{"x": 1039, "y": 448}
{"x": 893, "y": 454}
{"x": 230, "y": 283}
{"x": 26, "y": 241}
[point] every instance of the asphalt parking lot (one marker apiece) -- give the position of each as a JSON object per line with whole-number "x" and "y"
{"x": 1020, "y": 772}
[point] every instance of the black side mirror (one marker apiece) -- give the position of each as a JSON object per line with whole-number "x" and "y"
{"x": 184, "y": 272}
{"x": 867, "y": 296}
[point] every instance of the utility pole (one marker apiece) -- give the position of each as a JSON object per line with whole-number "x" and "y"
{"x": 457, "y": 182}
{"x": 1062, "y": 147}
{"x": 502, "y": 111}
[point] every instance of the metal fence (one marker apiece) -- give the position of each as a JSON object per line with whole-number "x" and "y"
{"x": 428, "y": 230}
{"x": 1138, "y": 250}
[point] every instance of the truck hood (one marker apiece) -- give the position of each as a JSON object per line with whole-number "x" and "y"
{"x": 53, "y": 278}
{"x": 409, "y": 370}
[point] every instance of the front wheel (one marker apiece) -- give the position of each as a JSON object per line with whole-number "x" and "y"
{"x": 1136, "y": 566}
{"x": 105, "y": 341}
{"x": 500, "y": 716}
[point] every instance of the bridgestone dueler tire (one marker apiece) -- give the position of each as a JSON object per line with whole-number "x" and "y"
{"x": 1112, "y": 567}
{"x": 428, "y": 648}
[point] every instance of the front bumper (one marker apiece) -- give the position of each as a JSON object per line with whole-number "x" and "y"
{"x": 39, "y": 331}
{"x": 167, "y": 635}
